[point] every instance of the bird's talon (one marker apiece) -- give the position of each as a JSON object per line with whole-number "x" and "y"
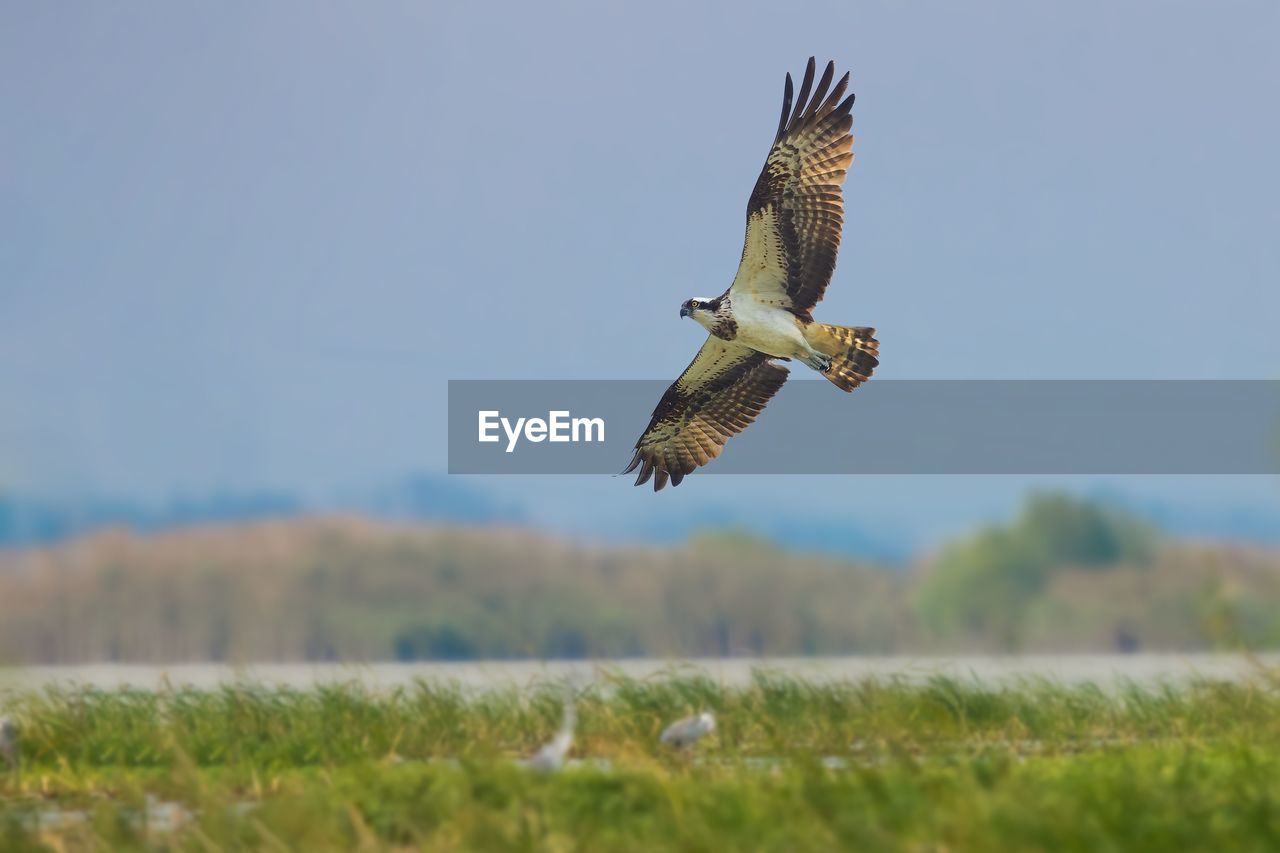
{"x": 820, "y": 363}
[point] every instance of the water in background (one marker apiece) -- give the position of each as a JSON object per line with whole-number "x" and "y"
{"x": 1143, "y": 669}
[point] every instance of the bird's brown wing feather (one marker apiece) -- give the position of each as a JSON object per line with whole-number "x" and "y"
{"x": 718, "y": 396}
{"x": 796, "y": 211}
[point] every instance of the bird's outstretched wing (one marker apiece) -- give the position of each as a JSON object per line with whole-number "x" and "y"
{"x": 796, "y": 210}
{"x": 718, "y": 396}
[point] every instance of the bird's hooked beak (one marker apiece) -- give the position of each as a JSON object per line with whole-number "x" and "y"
{"x": 684, "y": 311}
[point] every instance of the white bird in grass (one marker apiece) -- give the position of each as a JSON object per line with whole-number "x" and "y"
{"x": 8, "y": 741}
{"x": 688, "y": 731}
{"x": 551, "y": 757}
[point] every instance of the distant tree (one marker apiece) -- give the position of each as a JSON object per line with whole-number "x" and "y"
{"x": 978, "y": 589}
{"x": 433, "y": 642}
{"x": 1060, "y": 530}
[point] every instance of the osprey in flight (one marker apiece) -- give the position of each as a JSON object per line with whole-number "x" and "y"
{"x": 794, "y": 219}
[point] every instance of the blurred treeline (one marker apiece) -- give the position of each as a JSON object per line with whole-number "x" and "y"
{"x": 1064, "y": 575}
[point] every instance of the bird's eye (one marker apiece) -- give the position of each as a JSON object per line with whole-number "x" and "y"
{"x": 693, "y": 303}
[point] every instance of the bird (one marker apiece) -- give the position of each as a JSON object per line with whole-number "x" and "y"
{"x": 550, "y": 757}
{"x": 794, "y": 218}
{"x": 688, "y": 731}
{"x": 8, "y": 741}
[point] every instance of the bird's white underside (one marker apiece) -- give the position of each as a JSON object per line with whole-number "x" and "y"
{"x": 769, "y": 329}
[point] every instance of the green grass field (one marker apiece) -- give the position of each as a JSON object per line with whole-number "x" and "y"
{"x": 862, "y": 765}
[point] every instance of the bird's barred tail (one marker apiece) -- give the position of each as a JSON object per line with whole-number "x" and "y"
{"x": 854, "y": 352}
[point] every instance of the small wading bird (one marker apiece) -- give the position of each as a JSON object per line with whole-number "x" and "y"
{"x": 8, "y": 742}
{"x": 688, "y": 731}
{"x": 794, "y": 218}
{"x": 551, "y": 757}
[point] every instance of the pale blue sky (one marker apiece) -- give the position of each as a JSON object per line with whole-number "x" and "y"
{"x": 245, "y": 244}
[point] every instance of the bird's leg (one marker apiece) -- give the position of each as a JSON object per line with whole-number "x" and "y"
{"x": 818, "y": 361}
{"x": 805, "y": 353}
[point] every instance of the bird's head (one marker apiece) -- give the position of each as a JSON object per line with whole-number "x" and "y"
{"x": 701, "y": 309}
{"x": 707, "y": 721}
